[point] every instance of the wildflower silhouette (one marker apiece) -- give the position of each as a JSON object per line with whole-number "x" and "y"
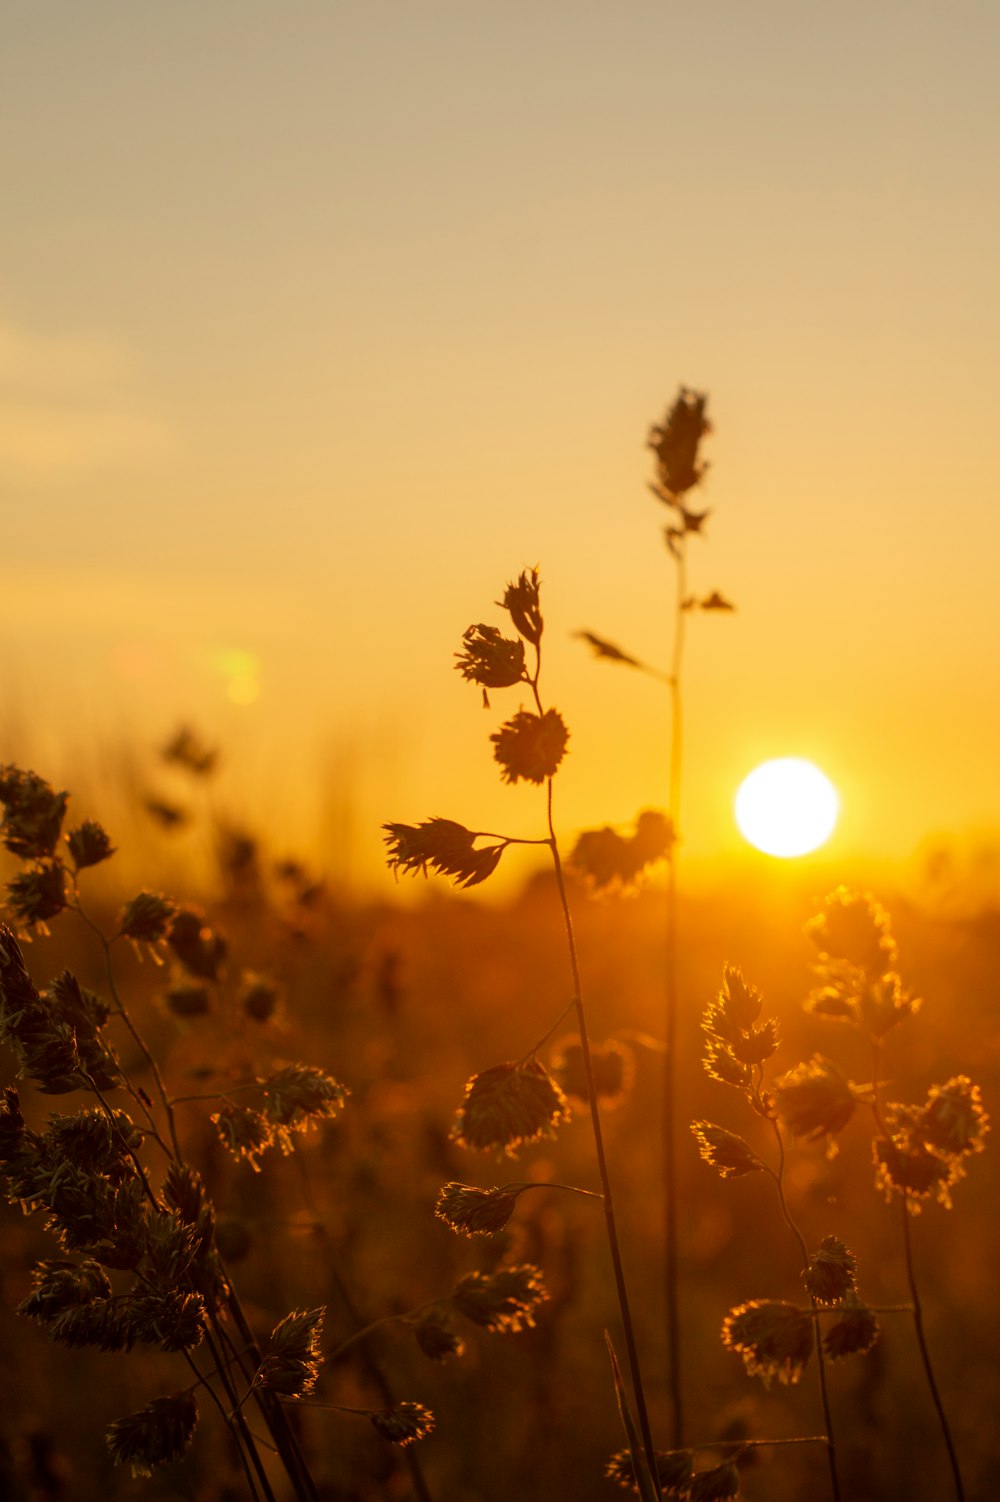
{"x": 679, "y": 469}
{"x": 515, "y": 1103}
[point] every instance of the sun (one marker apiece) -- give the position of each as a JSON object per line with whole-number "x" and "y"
{"x": 787, "y": 807}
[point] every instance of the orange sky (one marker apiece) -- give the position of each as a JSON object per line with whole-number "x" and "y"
{"x": 318, "y": 323}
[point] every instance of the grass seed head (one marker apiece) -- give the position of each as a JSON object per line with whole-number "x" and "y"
{"x": 61, "y": 1284}
{"x": 530, "y": 747}
{"x": 521, "y": 600}
{"x": 476, "y": 1212}
{"x": 830, "y": 1276}
{"x": 725, "y": 1151}
{"x": 146, "y": 918}
{"x": 38, "y": 892}
{"x": 720, "y": 1484}
{"x": 89, "y": 844}
{"x": 436, "y": 1337}
{"x": 609, "y": 859}
{"x": 198, "y": 947}
{"x": 953, "y": 1122}
{"x": 156, "y": 1434}
{"x": 673, "y": 1471}
{"x": 611, "y": 1063}
{"x": 854, "y": 927}
{"x": 292, "y": 1361}
{"x": 852, "y": 1334}
{"x": 506, "y": 1300}
{"x": 814, "y": 1100}
{"x": 33, "y": 813}
{"x": 774, "y": 1338}
{"x": 508, "y": 1106}
{"x": 676, "y": 442}
{"x": 403, "y": 1423}
{"x": 445, "y": 846}
{"x": 490, "y": 658}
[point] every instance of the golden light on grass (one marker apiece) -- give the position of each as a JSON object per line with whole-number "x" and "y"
{"x": 786, "y": 807}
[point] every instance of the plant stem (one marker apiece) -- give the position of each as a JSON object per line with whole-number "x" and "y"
{"x": 925, "y": 1355}
{"x": 237, "y": 1423}
{"x": 911, "y": 1278}
{"x": 669, "y": 1104}
{"x": 595, "y": 1118}
{"x": 820, "y": 1358}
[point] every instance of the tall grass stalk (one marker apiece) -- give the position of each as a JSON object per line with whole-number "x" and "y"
{"x": 528, "y": 747}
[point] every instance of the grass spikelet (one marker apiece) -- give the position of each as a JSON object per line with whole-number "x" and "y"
{"x": 725, "y": 1151}
{"x": 508, "y": 1106}
{"x": 830, "y": 1276}
{"x": 445, "y": 847}
{"x": 154, "y": 1435}
{"x": 774, "y": 1338}
{"x": 505, "y": 1301}
{"x": 853, "y": 1333}
{"x": 293, "y": 1357}
{"x": 404, "y": 1423}
{"x": 530, "y": 746}
{"x": 814, "y": 1099}
{"x": 476, "y": 1212}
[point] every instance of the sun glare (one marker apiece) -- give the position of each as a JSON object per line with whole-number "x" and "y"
{"x": 786, "y": 807}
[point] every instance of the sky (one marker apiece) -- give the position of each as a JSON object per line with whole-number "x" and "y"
{"x": 320, "y": 321}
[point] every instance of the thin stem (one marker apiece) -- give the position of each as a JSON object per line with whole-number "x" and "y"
{"x": 911, "y": 1278}
{"x": 820, "y": 1358}
{"x": 590, "y": 1194}
{"x": 203, "y": 1381}
{"x": 757, "y": 1444}
{"x": 558, "y": 1022}
{"x": 595, "y": 1118}
{"x": 925, "y": 1355}
{"x": 180, "y": 1100}
{"x": 237, "y": 1425}
{"x": 137, "y": 1037}
{"x": 669, "y": 1105}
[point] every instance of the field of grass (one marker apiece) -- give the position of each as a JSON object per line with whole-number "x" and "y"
{"x": 402, "y": 1005}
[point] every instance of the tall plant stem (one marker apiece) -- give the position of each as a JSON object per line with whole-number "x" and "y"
{"x": 245, "y": 1444}
{"x": 779, "y": 1181}
{"x": 602, "y": 1164}
{"x": 669, "y": 1102}
{"x": 925, "y": 1355}
{"x": 911, "y": 1278}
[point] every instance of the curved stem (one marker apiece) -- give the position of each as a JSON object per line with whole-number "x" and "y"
{"x": 569, "y": 1007}
{"x": 137, "y": 1037}
{"x": 925, "y": 1355}
{"x": 820, "y": 1357}
{"x": 595, "y": 1118}
{"x": 911, "y": 1278}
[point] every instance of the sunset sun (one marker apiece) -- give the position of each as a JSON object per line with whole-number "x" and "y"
{"x": 786, "y": 807}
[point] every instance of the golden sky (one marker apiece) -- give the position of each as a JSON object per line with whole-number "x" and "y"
{"x": 319, "y": 321}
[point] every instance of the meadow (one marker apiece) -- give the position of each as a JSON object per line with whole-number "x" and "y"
{"x": 605, "y": 1184}
{"x": 402, "y": 1005}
